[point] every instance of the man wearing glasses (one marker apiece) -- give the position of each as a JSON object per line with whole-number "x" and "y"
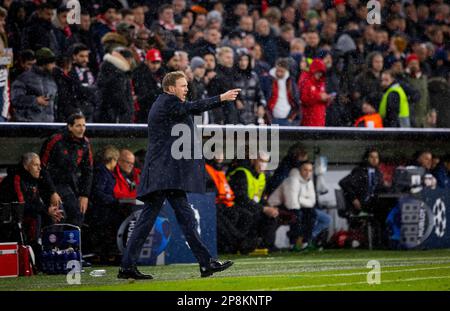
{"x": 127, "y": 176}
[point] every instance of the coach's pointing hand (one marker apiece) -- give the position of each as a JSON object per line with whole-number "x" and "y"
{"x": 229, "y": 95}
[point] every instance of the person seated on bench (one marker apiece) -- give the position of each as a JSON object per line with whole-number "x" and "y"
{"x": 361, "y": 189}
{"x": 29, "y": 186}
{"x": 258, "y": 221}
{"x": 229, "y": 236}
{"x": 297, "y": 196}
{"x": 105, "y": 216}
{"x": 363, "y": 184}
{"x": 127, "y": 177}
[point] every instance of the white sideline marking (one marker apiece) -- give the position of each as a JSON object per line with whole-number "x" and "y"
{"x": 352, "y": 283}
{"x": 315, "y": 261}
{"x": 342, "y": 274}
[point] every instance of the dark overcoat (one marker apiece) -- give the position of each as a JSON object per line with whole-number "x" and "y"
{"x": 163, "y": 169}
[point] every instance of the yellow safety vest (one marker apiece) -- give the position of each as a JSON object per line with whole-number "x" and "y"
{"x": 255, "y": 186}
{"x": 404, "y": 105}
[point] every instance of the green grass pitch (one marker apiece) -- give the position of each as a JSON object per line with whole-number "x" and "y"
{"x": 311, "y": 271}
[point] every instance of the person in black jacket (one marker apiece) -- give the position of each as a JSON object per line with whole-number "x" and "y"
{"x": 394, "y": 104}
{"x": 256, "y": 219}
{"x": 72, "y": 97}
{"x": 114, "y": 84}
{"x": 40, "y": 32}
{"x": 85, "y": 36}
{"x": 169, "y": 176}
{"x": 251, "y": 98}
{"x": 361, "y": 189}
{"x": 31, "y": 187}
{"x": 67, "y": 157}
{"x": 364, "y": 183}
{"x": 147, "y": 78}
{"x": 83, "y": 74}
{"x": 224, "y": 80}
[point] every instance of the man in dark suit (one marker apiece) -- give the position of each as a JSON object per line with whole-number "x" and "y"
{"x": 364, "y": 183}
{"x": 361, "y": 190}
{"x": 167, "y": 176}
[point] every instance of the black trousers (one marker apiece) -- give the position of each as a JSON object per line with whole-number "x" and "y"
{"x": 242, "y": 229}
{"x": 185, "y": 217}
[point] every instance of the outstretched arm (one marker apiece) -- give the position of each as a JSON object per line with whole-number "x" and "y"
{"x": 199, "y": 106}
{"x": 212, "y": 102}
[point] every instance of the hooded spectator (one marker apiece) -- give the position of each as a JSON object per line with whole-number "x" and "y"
{"x": 251, "y": 97}
{"x": 313, "y": 95}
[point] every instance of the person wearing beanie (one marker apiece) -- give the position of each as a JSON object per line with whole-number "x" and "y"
{"x": 34, "y": 92}
{"x": 147, "y": 79}
{"x": 415, "y": 78}
{"x": 197, "y": 62}
{"x": 197, "y": 87}
{"x": 170, "y": 60}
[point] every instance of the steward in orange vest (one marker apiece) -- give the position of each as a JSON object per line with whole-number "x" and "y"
{"x": 371, "y": 117}
{"x": 373, "y": 120}
{"x": 225, "y": 194}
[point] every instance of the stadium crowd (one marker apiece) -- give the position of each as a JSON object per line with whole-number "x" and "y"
{"x": 299, "y": 62}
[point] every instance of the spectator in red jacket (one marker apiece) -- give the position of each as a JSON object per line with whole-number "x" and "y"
{"x": 313, "y": 96}
{"x": 127, "y": 176}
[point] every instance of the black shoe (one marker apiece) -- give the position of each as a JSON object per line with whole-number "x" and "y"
{"x": 214, "y": 266}
{"x": 133, "y": 273}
